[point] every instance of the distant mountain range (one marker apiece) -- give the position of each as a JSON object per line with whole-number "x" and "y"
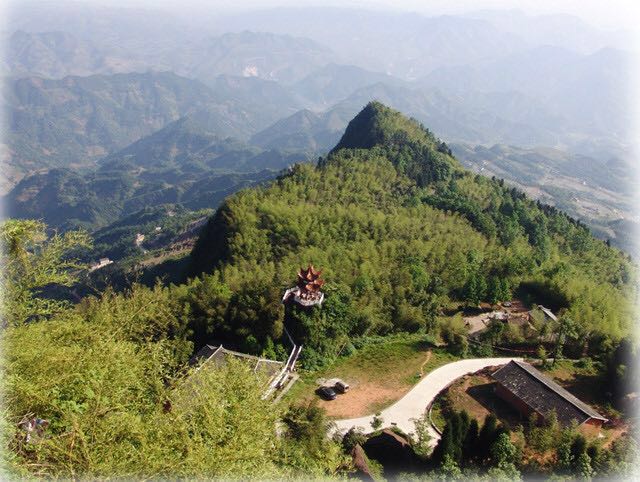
{"x": 333, "y": 83}
{"x": 525, "y": 100}
{"x": 182, "y": 163}
{"x": 472, "y": 78}
{"x": 194, "y": 143}
{"x": 152, "y": 105}
{"x": 57, "y": 54}
{"x": 305, "y": 130}
{"x": 74, "y": 121}
{"x": 414, "y": 45}
{"x": 571, "y": 95}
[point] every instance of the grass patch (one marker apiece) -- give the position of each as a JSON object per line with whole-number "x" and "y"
{"x": 379, "y": 374}
{"x": 437, "y": 415}
{"x": 569, "y": 369}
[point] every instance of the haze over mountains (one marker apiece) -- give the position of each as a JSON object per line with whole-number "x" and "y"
{"x": 162, "y": 103}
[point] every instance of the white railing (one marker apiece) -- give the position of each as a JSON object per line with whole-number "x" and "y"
{"x": 288, "y": 367}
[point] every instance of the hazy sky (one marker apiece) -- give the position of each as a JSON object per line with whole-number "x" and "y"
{"x": 610, "y": 14}
{"x": 602, "y": 13}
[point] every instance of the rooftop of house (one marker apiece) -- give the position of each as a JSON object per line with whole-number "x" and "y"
{"x": 219, "y": 355}
{"x": 543, "y": 394}
{"x": 548, "y": 312}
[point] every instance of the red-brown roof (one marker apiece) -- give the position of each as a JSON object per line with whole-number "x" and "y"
{"x": 309, "y": 279}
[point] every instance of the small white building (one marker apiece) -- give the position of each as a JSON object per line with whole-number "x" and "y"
{"x": 101, "y": 263}
{"x": 139, "y": 239}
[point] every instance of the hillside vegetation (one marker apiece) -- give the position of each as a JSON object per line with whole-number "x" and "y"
{"x": 401, "y": 230}
{"x": 402, "y": 233}
{"x": 187, "y": 162}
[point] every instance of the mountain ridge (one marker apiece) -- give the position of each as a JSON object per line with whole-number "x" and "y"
{"x": 390, "y": 206}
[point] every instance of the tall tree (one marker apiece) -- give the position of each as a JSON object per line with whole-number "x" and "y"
{"x": 504, "y": 455}
{"x": 622, "y": 374}
{"x": 31, "y": 261}
{"x": 567, "y": 329}
{"x": 493, "y": 290}
{"x": 471, "y": 292}
{"x": 470, "y": 446}
{"x": 487, "y": 435}
{"x": 504, "y": 292}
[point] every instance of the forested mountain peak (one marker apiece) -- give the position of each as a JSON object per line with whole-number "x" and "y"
{"x": 378, "y": 124}
{"x": 411, "y": 147}
{"x": 390, "y": 201}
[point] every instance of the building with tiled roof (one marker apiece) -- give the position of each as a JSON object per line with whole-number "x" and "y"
{"x": 218, "y": 355}
{"x": 529, "y": 391}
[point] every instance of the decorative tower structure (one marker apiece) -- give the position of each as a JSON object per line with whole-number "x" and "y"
{"x": 307, "y": 290}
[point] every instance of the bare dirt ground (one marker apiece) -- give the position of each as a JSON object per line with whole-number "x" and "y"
{"x": 369, "y": 395}
{"x": 362, "y": 399}
{"x": 517, "y": 312}
{"x": 477, "y": 323}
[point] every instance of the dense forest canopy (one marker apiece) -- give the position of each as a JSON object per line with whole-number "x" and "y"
{"x": 403, "y": 234}
{"x": 402, "y": 230}
{"x": 107, "y": 389}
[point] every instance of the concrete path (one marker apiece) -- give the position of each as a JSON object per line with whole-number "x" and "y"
{"x": 414, "y": 403}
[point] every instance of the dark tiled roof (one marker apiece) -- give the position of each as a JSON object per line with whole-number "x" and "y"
{"x": 204, "y": 353}
{"x": 361, "y": 463}
{"x": 543, "y": 394}
{"x": 218, "y": 356}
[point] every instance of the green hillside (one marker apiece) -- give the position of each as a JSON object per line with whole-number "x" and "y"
{"x": 188, "y": 162}
{"x": 401, "y": 231}
{"x": 594, "y": 189}
{"x": 404, "y": 236}
{"x": 75, "y": 121}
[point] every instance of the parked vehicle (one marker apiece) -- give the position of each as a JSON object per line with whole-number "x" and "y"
{"x": 341, "y": 386}
{"x": 327, "y": 393}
